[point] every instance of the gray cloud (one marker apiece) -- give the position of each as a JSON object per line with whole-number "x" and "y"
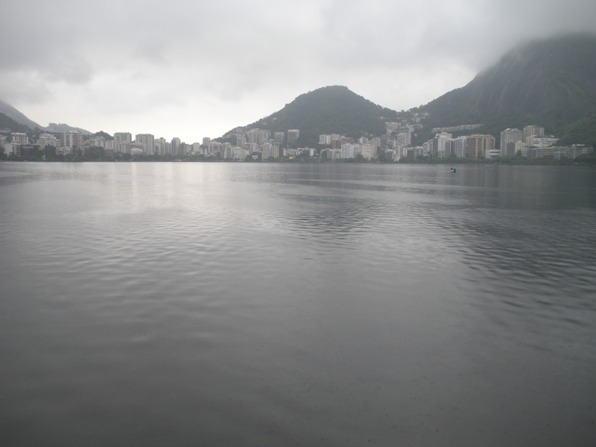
{"x": 129, "y": 61}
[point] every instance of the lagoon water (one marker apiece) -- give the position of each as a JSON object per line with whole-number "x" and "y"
{"x": 214, "y": 304}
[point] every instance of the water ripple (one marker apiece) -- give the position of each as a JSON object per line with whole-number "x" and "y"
{"x": 255, "y": 304}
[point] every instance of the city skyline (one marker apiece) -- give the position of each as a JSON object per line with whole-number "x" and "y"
{"x": 256, "y": 144}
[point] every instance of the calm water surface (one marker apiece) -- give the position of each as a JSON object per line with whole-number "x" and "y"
{"x": 297, "y": 305}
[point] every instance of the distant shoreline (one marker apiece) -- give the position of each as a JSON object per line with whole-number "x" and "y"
{"x": 580, "y": 161}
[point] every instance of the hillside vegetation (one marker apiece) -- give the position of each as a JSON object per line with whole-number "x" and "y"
{"x": 549, "y": 82}
{"x": 333, "y": 109}
{"x": 17, "y": 117}
{"x": 7, "y": 124}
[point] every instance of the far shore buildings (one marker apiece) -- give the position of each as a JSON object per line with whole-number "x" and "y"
{"x": 71, "y": 140}
{"x": 263, "y": 145}
{"x": 146, "y": 142}
{"x": 511, "y": 140}
{"x": 122, "y": 141}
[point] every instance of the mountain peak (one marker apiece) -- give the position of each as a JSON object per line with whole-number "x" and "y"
{"x": 333, "y": 109}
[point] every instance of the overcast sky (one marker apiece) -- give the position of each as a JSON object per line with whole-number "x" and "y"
{"x": 195, "y": 68}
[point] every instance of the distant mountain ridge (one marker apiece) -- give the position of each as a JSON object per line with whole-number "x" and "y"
{"x": 17, "y": 116}
{"x": 61, "y": 128}
{"x": 13, "y": 120}
{"x": 327, "y": 110}
{"x": 550, "y": 82}
{"x": 7, "y": 124}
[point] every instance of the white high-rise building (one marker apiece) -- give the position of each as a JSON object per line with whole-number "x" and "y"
{"x": 266, "y": 151}
{"x": 369, "y": 151}
{"x": 542, "y": 141}
{"x": 147, "y": 141}
{"x": 72, "y": 140}
{"x": 442, "y": 143}
{"x": 279, "y": 137}
{"x": 213, "y": 149}
{"x": 347, "y": 151}
{"x": 240, "y": 154}
{"x": 458, "y": 146}
{"x": 258, "y": 136}
{"x": 19, "y": 138}
{"x": 175, "y": 146}
{"x": 376, "y": 143}
{"x": 477, "y": 145}
{"x": 325, "y": 140}
{"x": 240, "y": 140}
{"x": 160, "y": 146}
{"x": 47, "y": 139}
{"x": 530, "y": 131}
{"x": 95, "y": 141}
{"x": 196, "y": 149}
{"x": 508, "y": 139}
{"x": 122, "y": 141}
{"x": 403, "y": 139}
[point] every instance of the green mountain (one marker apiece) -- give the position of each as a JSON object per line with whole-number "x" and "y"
{"x": 7, "y": 124}
{"x": 327, "y": 110}
{"x": 551, "y": 83}
{"x": 14, "y": 121}
{"x": 103, "y": 134}
{"x": 61, "y": 128}
{"x": 17, "y": 117}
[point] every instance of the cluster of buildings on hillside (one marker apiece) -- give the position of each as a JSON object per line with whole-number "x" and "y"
{"x": 259, "y": 144}
{"x": 530, "y": 143}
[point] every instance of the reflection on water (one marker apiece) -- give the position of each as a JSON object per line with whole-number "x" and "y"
{"x": 271, "y": 304}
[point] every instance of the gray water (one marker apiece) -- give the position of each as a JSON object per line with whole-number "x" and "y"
{"x": 297, "y": 305}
